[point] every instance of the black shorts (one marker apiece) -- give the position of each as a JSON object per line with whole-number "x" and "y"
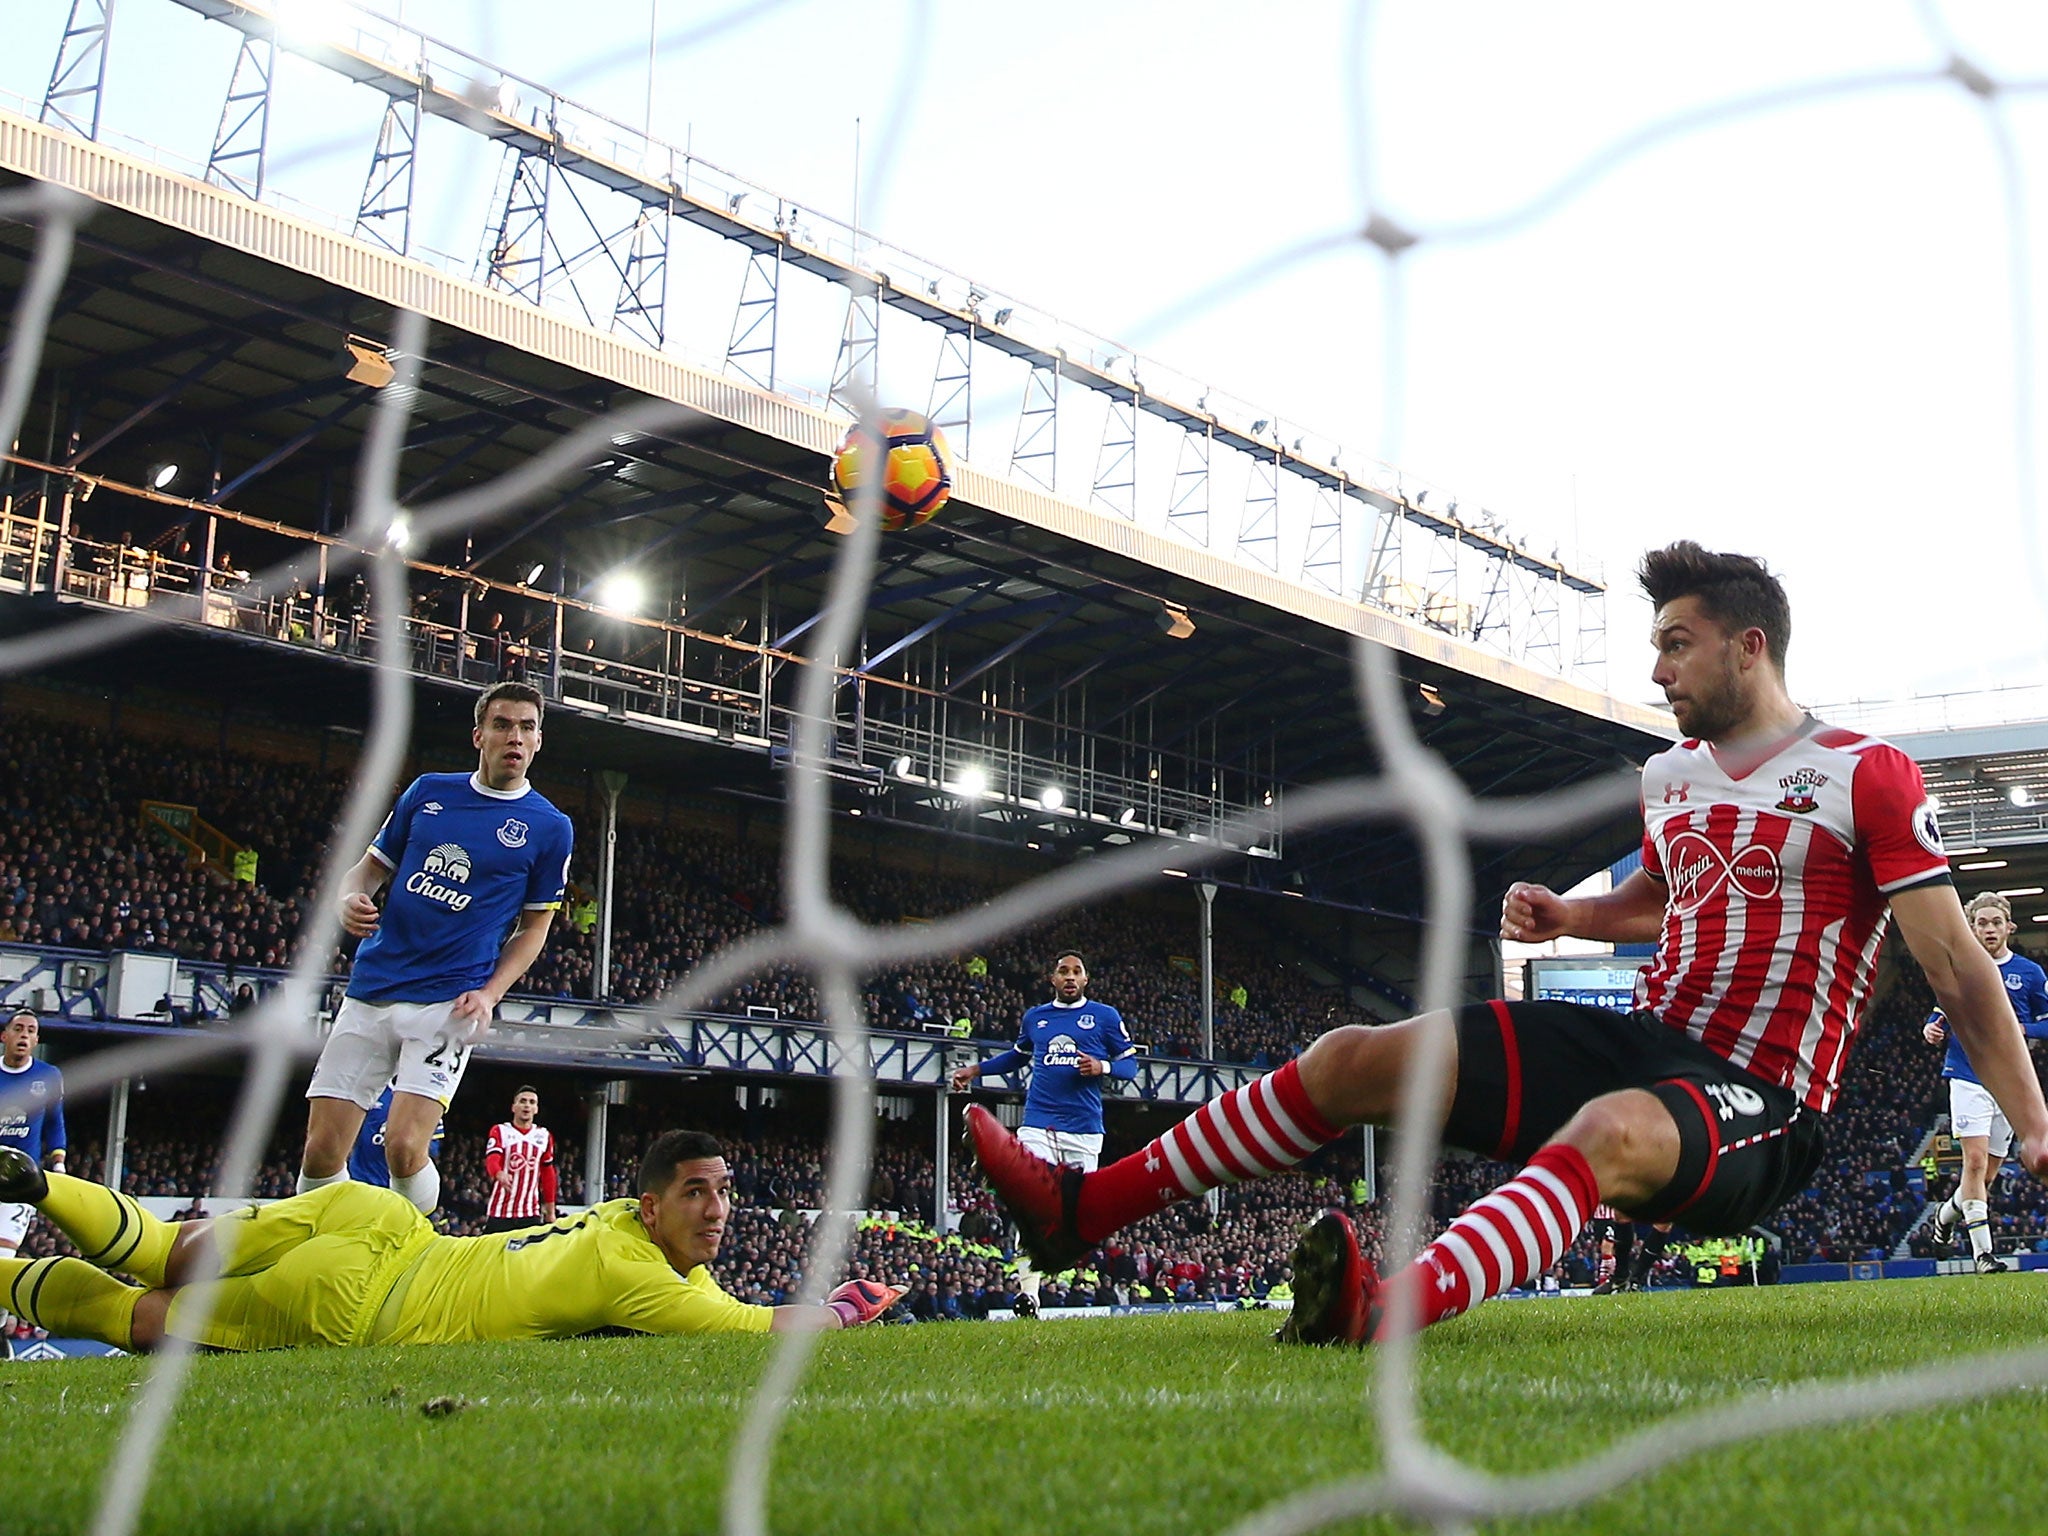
{"x": 1524, "y": 1069}
{"x": 511, "y": 1223}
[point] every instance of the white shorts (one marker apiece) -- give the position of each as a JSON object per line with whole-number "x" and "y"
{"x": 1973, "y": 1112}
{"x": 372, "y": 1042}
{"x": 1074, "y": 1148}
{"x": 14, "y": 1220}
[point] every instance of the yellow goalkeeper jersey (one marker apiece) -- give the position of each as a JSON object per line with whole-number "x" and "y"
{"x": 597, "y": 1270}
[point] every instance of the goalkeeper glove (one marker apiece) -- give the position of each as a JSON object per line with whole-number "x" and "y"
{"x": 862, "y": 1301}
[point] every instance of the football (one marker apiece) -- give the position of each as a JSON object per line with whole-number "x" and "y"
{"x": 912, "y": 458}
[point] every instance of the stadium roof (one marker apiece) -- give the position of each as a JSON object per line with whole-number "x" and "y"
{"x": 199, "y": 329}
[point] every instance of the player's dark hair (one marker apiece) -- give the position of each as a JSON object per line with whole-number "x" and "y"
{"x": 1056, "y": 959}
{"x": 1737, "y": 592}
{"x": 670, "y": 1151}
{"x": 518, "y": 693}
{"x": 527, "y": 1088}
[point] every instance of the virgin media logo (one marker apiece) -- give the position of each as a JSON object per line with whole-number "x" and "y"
{"x": 1698, "y": 869}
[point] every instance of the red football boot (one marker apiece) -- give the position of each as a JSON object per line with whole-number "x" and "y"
{"x": 1335, "y": 1286}
{"x": 1034, "y": 1194}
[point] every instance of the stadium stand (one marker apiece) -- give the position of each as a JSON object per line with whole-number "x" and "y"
{"x": 77, "y": 870}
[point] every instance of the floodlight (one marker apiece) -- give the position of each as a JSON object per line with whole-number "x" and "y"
{"x": 972, "y": 781}
{"x": 368, "y": 363}
{"x": 901, "y": 767}
{"x": 2019, "y": 796}
{"x": 622, "y": 593}
{"x": 1432, "y": 701}
{"x": 1174, "y": 622}
{"x": 533, "y": 575}
{"x": 1052, "y": 797}
{"x": 162, "y": 476}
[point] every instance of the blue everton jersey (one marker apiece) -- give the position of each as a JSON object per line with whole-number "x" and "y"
{"x": 32, "y": 1109}
{"x": 1055, "y": 1036}
{"x": 464, "y": 862}
{"x": 2027, "y": 985}
{"x": 366, "y": 1163}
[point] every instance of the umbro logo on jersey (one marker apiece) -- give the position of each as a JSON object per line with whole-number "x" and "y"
{"x": 431, "y": 808}
{"x": 513, "y": 834}
{"x": 1801, "y": 791}
{"x": 1698, "y": 870}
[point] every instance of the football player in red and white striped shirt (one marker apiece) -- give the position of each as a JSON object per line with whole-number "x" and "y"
{"x": 520, "y": 1159}
{"x": 1775, "y": 852}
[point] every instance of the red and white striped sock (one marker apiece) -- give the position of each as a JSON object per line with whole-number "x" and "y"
{"x": 1265, "y": 1127}
{"x": 1604, "y": 1271}
{"x": 1509, "y": 1237}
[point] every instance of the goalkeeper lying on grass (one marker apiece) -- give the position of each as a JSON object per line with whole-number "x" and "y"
{"x": 356, "y": 1264}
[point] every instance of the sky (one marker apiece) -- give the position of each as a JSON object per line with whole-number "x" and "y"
{"x": 1793, "y": 334}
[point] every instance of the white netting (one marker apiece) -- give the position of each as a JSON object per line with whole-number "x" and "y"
{"x": 1416, "y": 787}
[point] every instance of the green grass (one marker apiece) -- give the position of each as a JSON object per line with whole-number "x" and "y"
{"x": 1123, "y": 1426}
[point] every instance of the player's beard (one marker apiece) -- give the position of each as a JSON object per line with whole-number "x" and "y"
{"x": 1717, "y": 713}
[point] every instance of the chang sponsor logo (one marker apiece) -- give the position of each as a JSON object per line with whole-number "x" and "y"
{"x": 1061, "y": 1051}
{"x": 441, "y": 873}
{"x": 449, "y": 860}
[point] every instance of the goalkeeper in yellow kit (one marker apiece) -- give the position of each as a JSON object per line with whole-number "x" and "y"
{"x": 356, "y": 1264}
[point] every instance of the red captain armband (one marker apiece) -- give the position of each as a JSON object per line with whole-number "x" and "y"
{"x": 862, "y": 1301}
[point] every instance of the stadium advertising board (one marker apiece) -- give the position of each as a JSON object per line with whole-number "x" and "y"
{"x": 1604, "y": 981}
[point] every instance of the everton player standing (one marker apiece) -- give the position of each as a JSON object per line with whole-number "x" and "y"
{"x": 366, "y": 1161}
{"x": 31, "y": 1122}
{"x": 1974, "y": 1118}
{"x": 1775, "y": 852}
{"x": 1074, "y": 1045}
{"x": 476, "y": 864}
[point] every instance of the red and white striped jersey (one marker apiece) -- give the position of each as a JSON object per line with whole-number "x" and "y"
{"x": 529, "y": 1156}
{"x": 1779, "y": 874}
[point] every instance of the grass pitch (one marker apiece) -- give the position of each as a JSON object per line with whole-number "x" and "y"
{"x": 1129, "y": 1426}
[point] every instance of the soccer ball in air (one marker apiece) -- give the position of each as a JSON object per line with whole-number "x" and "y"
{"x": 916, "y": 467}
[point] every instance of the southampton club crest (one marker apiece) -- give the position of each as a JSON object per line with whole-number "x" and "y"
{"x": 1802, "y": 790}
{"x": 513, "y": 833}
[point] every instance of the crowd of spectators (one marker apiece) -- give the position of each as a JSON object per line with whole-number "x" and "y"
{"x": 79, "y": 869}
